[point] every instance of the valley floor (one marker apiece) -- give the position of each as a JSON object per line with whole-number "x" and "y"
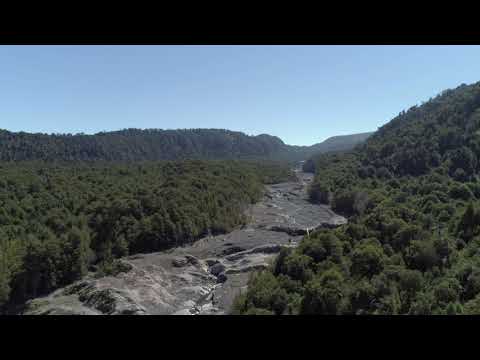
{"x": 204, "y": 277}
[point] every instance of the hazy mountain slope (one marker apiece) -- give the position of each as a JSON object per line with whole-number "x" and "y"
{"x": 340, "y": 143}
{"x": 332, "y": 145}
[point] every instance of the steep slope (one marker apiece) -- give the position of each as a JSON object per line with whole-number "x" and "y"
{"x": 441, "y": 132}
{"x": 411, "y": 193}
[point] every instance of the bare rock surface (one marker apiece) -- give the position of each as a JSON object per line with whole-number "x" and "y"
{"x": 201, "y": 278}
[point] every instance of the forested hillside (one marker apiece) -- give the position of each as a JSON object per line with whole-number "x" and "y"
{"x": 412, "y": 244}
{"x": 57, "y": 222}
{"x": 135, "y": 145}
{"x": 340, "y": 143}
{"x": 335, "y": 144}
{"x": 153, "y": 144}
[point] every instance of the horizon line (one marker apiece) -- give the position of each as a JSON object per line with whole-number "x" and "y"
{"x": 82, "y": 133}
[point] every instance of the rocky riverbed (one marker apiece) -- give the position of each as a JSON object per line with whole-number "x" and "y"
{"x": 201, "y": 278}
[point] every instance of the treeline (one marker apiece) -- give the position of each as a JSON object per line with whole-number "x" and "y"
{"x": 58, "y": 222}
{"x": 411, "y": 246}
{"x": 155, "y": 144}
{"x": 145, "y": 145}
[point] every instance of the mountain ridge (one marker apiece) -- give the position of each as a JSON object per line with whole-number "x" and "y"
{"x": 157, "y": 144}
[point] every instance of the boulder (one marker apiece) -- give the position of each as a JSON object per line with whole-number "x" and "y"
{"x": 221, "y": 278}
{"x": 211, "y": 262}
{"x": 184, "y": 261}
{"x": 192, "y": 260}
{"x": 180, "y": 262}
{"x": 217, "y": 269}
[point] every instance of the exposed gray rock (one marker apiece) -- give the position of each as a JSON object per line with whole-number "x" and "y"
{"x": 183, "y": 312}
{"x": 288, "y": 230}
{"x": 211, "y": 262}
{"x": 244, "y": 269}
{"x": 221, "y": 278}
{"x": 202, "y": 278}
{"x": 217, "y": 269}
{"x": 232, "y": 250}
{"x": 266, "y": 249}
{"x": 180, "y": 262}
{"x": 192, "y": 260}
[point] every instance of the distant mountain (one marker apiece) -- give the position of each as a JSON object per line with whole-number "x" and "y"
{"x": 340, "y": 143}
{"x": 334, "y": 144}
{"x": 157, "y": 144}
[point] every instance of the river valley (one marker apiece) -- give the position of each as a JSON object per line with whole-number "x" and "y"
{"x": 203, "y": 277}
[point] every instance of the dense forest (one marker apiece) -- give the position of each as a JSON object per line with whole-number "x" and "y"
{"x": 60, "y": 221}
{"x": 73, "y": 204}
{"x": 412, "y": 244}
{"x": 141, "y": 145}
{"x": 155, "y": 144}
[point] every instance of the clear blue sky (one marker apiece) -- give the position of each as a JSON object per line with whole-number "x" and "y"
{"x": 303, "y": 94}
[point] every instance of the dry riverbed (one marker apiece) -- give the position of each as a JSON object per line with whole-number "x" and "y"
{"x": 201, "y": 278}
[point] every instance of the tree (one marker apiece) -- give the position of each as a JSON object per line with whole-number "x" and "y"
{"x": 447, "y": 291}
{"x": 296, "y": 266}
{"x": 421, "y": 255}
{"x": 469, "y": 222}
{"x": 368, "y": 259}
{"x": 410, "y": 280}
{"x": 11, "y": 253}
{"x": 78, "y": 254}
{"x": 422, "y": 304}
{"x": 362, "y": 297}
{"x": 461, "y": 192}
{"x": 324, "y": 294}
{"x": 404, "y": 236}
{"x": 472, "y": 307}
{"x": 265, "y": 293}
{"x": 463, "y": 158}
{"x": 320, "y": 193}
{"x": 320, "y": 247}
{"x": 471, "y": 287}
